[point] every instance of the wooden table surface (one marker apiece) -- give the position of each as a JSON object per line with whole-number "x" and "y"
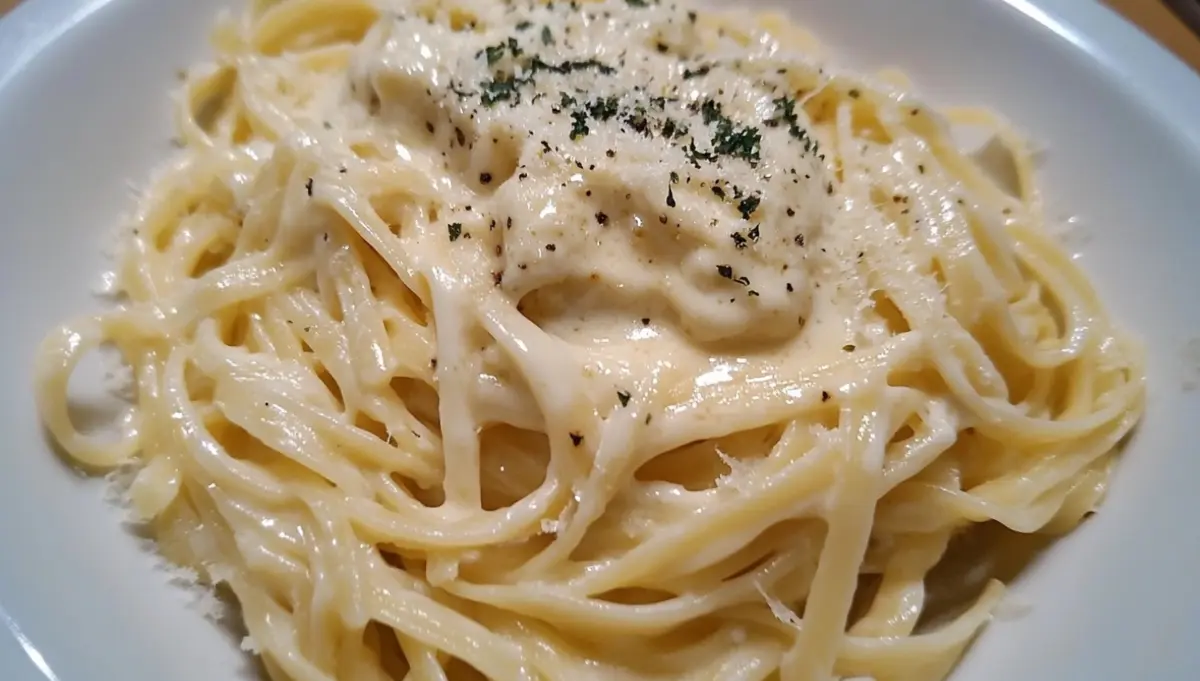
{"x": 1151, "y": 15}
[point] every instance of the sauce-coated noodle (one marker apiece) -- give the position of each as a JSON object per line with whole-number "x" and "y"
{"x": 597, "y": 340}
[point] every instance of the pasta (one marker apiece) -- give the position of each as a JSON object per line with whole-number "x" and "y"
{"x": 592, "y": 340}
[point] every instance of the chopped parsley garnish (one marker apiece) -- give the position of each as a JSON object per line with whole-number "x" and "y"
{"x": 674, "y": 177}
{"x": 711, "y": 111}
{"x": 701, "y": 70}
{"x": 637, "y": 121}
{"x": 522, "y": 25}
{"x": 571, "y": 66}
{"x": 738, "y": 142}
{"x": 579, "y": 126}
{"x": 753, "y": 233}
{"x": 748, "y": 206}
{"x": 547, "y": 37}
{"x": 739, "y": 242}
{"x": 718, "y": 191}
{"x": 501, "y": 89}
{"x": 455, "y": 230}
{"x": 602, "y": 108}
{"x": 785, "y": 112}
{"x": 494, "y": 53}
{"x": 637, "y": 3}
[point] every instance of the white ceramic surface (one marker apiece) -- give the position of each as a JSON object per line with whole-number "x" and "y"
{"x": 83, "y": 110}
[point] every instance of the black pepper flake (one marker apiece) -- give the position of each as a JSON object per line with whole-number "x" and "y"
{"x": 429, "y": 127}
{"x": 601, "y": 218}
{"x": 508, "y": 223}
{"x": 854, "y": 94}
{"x": 799, "y": 240}
{"x": 790, "y": 288}
{"x": 921, "y": 168}
{"x": 551, "y": 247}
{"x": 739, "y": 241}
{"x": 522, "y": 176}
{"x": 791, "y": 212}
{"x": 662, "y": 219}
{"x": 849, "y": 347}
{"x": 661, "y": 47}
{"x": 649, "y": 417}
{"x": 725, "y": 271}
{"x": 545, "y": 146}
{"x": 720, "y": 193}
{"x": 610, "y": 153}
{"x": 753, "y": 233}
{"x": 327, "y": 125}
{"x": 458, "y": 134}
{"x": 497, "y": 278}
{"x": 455, "y": 230}
{"x": 691, "y": 17}
{"x": 547, "y": 38}
{"x": 432, "y": 362}
{"x": 623, "y": 396}
{"x": 670, "y": 197}
{"x": 752, "y": 293}
{"x": 485, "y": 178}
{"x": 308, "y": 186}
{"x": 522, "y": 25}
{"x": 342, "y": 170}
{"x": 829, "y": 189}
{"x": 824, "y": 395}
{"x": 645, "y": 321}
{"x": 576, "y": 439}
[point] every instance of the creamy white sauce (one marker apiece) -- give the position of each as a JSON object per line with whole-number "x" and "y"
{"x": 600, "y": 162}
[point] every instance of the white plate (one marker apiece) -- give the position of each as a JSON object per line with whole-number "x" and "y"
{"x": 83, "y": 110}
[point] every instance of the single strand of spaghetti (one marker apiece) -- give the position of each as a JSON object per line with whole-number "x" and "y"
{"x": 852, "y": 507}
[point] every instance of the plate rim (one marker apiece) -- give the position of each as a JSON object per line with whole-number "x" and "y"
{"x": 1158, "y": 82}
